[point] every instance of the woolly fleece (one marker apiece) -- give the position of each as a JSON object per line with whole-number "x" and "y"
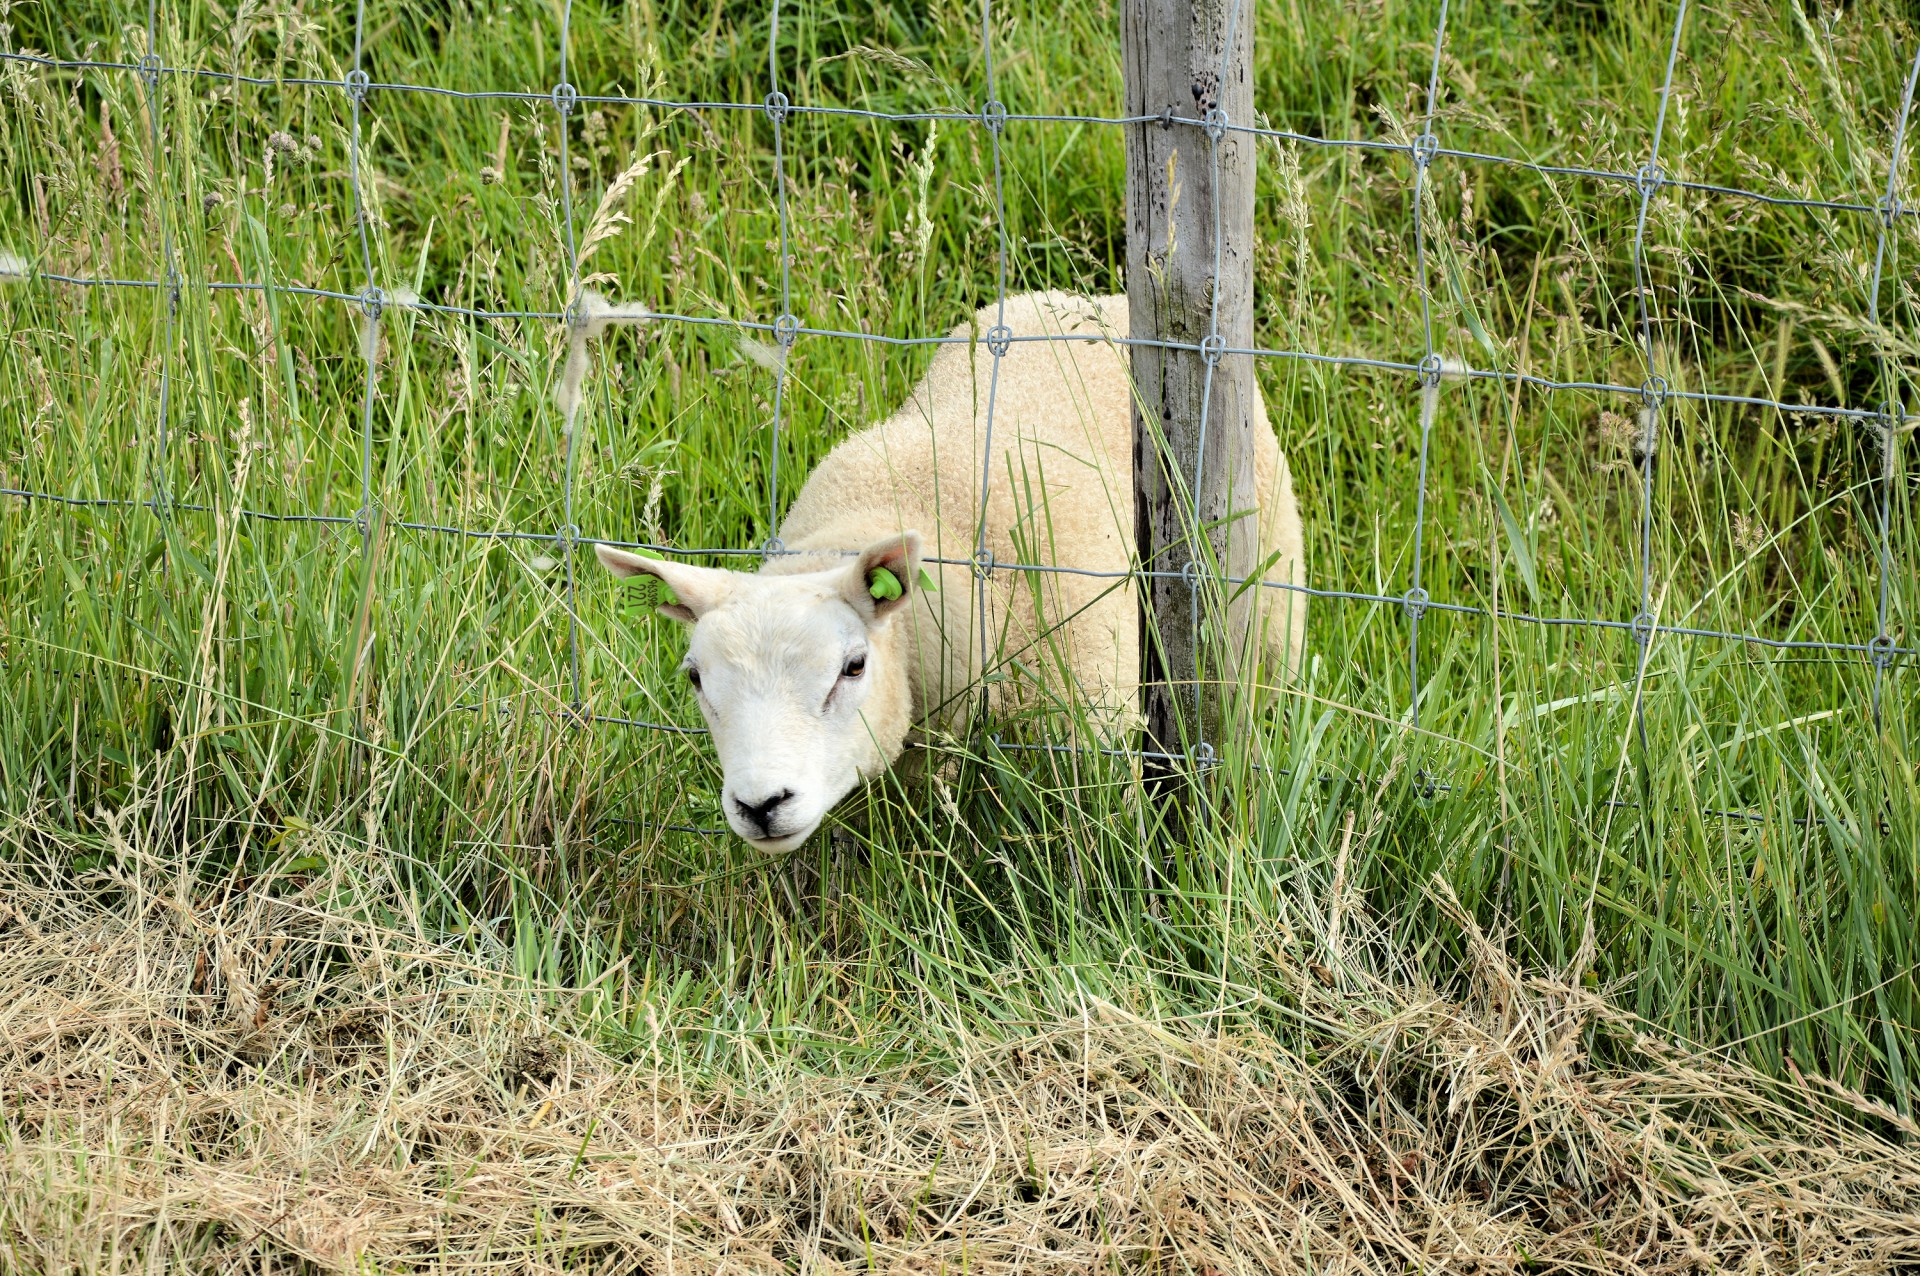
{"x": 1061, "y": 493}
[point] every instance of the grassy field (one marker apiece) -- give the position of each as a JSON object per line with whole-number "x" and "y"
{"x": 223, "y": 716}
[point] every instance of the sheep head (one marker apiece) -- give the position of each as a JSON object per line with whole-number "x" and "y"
{"x": 801, "y": 676}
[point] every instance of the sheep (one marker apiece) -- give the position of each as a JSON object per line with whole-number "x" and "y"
{"x": 810, "y": 677}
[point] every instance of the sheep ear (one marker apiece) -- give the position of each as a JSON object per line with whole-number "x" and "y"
{"x": 884, "y": 577}
{"x": 695, "y": 590}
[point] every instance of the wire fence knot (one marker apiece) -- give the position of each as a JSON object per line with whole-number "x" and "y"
{"x": 567, "y": 537}
{"x": 173, "y": 290}
{"x": 1204, "y": 758}
{"x": 785, "y": 329}
{"x": 983, "y": 564}
{"x": 1890, "y": 209}
{"x": 563, "y": 98}
{"x": 1880, "y": 650}
{"x": 150, "y": 68}
{"x": 1649, "y": 179}
{"x": 363, "y": 519}
{"x": 776, "y": 106}
{"x": 1415, "y": 602}
{"x": 357, "y": 84}
{"x": 1643, "y": 628}
{"x": 1216, "y": 124}
{"x": 1212, "y": 346}
{"x": 1425, "y": 148}
{"x": 1430, "y": 369}
{"x": 772, "y": 547}
{"x": 1653, "y": 392}
{"x": 993, "y": 114}
{"x": 373, "y": 301}
{"x": 999, "y": 339}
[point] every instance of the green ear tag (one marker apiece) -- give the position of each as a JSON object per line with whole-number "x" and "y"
{"x": 648, "y": 593}
{"x": 883, "y": 584}
{"x": 928, "y": 583}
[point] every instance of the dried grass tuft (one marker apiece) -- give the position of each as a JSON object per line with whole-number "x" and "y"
{"x": 247, "y": 1078}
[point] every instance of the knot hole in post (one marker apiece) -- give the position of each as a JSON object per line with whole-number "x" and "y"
{"x": 776, "y": 106}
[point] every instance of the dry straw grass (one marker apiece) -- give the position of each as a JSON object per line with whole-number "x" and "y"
{"x": 222, "y": 1076}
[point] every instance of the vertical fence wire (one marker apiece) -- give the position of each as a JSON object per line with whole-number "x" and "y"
{"x": 1212, "y": 349}
{"x": 564, "y": 98}
{"x": 786, "y": 328}
{"x": 372, "y": 303}
{"x": 1425, "y": 147}
{"x": 1880, "y": 649}
{"x": 1653, "y": 394}
{"x": 168, "y": 285}
{"x": 993, "y": 117}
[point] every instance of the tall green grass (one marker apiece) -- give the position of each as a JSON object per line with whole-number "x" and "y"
{"x": 204, "y": 664}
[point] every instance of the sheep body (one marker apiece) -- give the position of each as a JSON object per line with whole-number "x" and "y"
{"x": 1060, "y": 494}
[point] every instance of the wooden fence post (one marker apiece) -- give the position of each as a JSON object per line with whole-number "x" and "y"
{"x": 1190, "y": 188}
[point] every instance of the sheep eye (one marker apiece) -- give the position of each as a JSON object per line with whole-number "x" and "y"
{"x": 693, "y": 676}
{"x": 855, "y": 666}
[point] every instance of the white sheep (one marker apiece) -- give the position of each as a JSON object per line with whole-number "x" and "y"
{"x": 810, "y": 684}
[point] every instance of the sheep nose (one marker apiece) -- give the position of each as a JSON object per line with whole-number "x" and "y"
{"x": 760, "y": 814}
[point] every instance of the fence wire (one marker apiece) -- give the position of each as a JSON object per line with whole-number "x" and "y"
{"x": 1888, "y": 418}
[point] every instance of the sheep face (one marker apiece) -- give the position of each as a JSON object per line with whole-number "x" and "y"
{"x": 800, "y": 677}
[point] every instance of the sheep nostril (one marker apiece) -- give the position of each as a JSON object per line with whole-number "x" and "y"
{"x": 760, "y": 814}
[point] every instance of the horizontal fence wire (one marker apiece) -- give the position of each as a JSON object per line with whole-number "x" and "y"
{"x": 1889, "y": 419}
{"x": 1899, "y": 418}
{"x": 1632, "y": 180}
{"x": 975, "y": 564}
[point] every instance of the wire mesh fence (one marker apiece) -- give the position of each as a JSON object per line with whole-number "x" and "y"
{"x": 1424, "y": 367}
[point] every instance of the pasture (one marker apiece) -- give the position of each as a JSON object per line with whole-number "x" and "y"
{"x": 357, "y": 914}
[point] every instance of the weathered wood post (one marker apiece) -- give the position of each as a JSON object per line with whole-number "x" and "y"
{"x": 1190, "y": 187}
